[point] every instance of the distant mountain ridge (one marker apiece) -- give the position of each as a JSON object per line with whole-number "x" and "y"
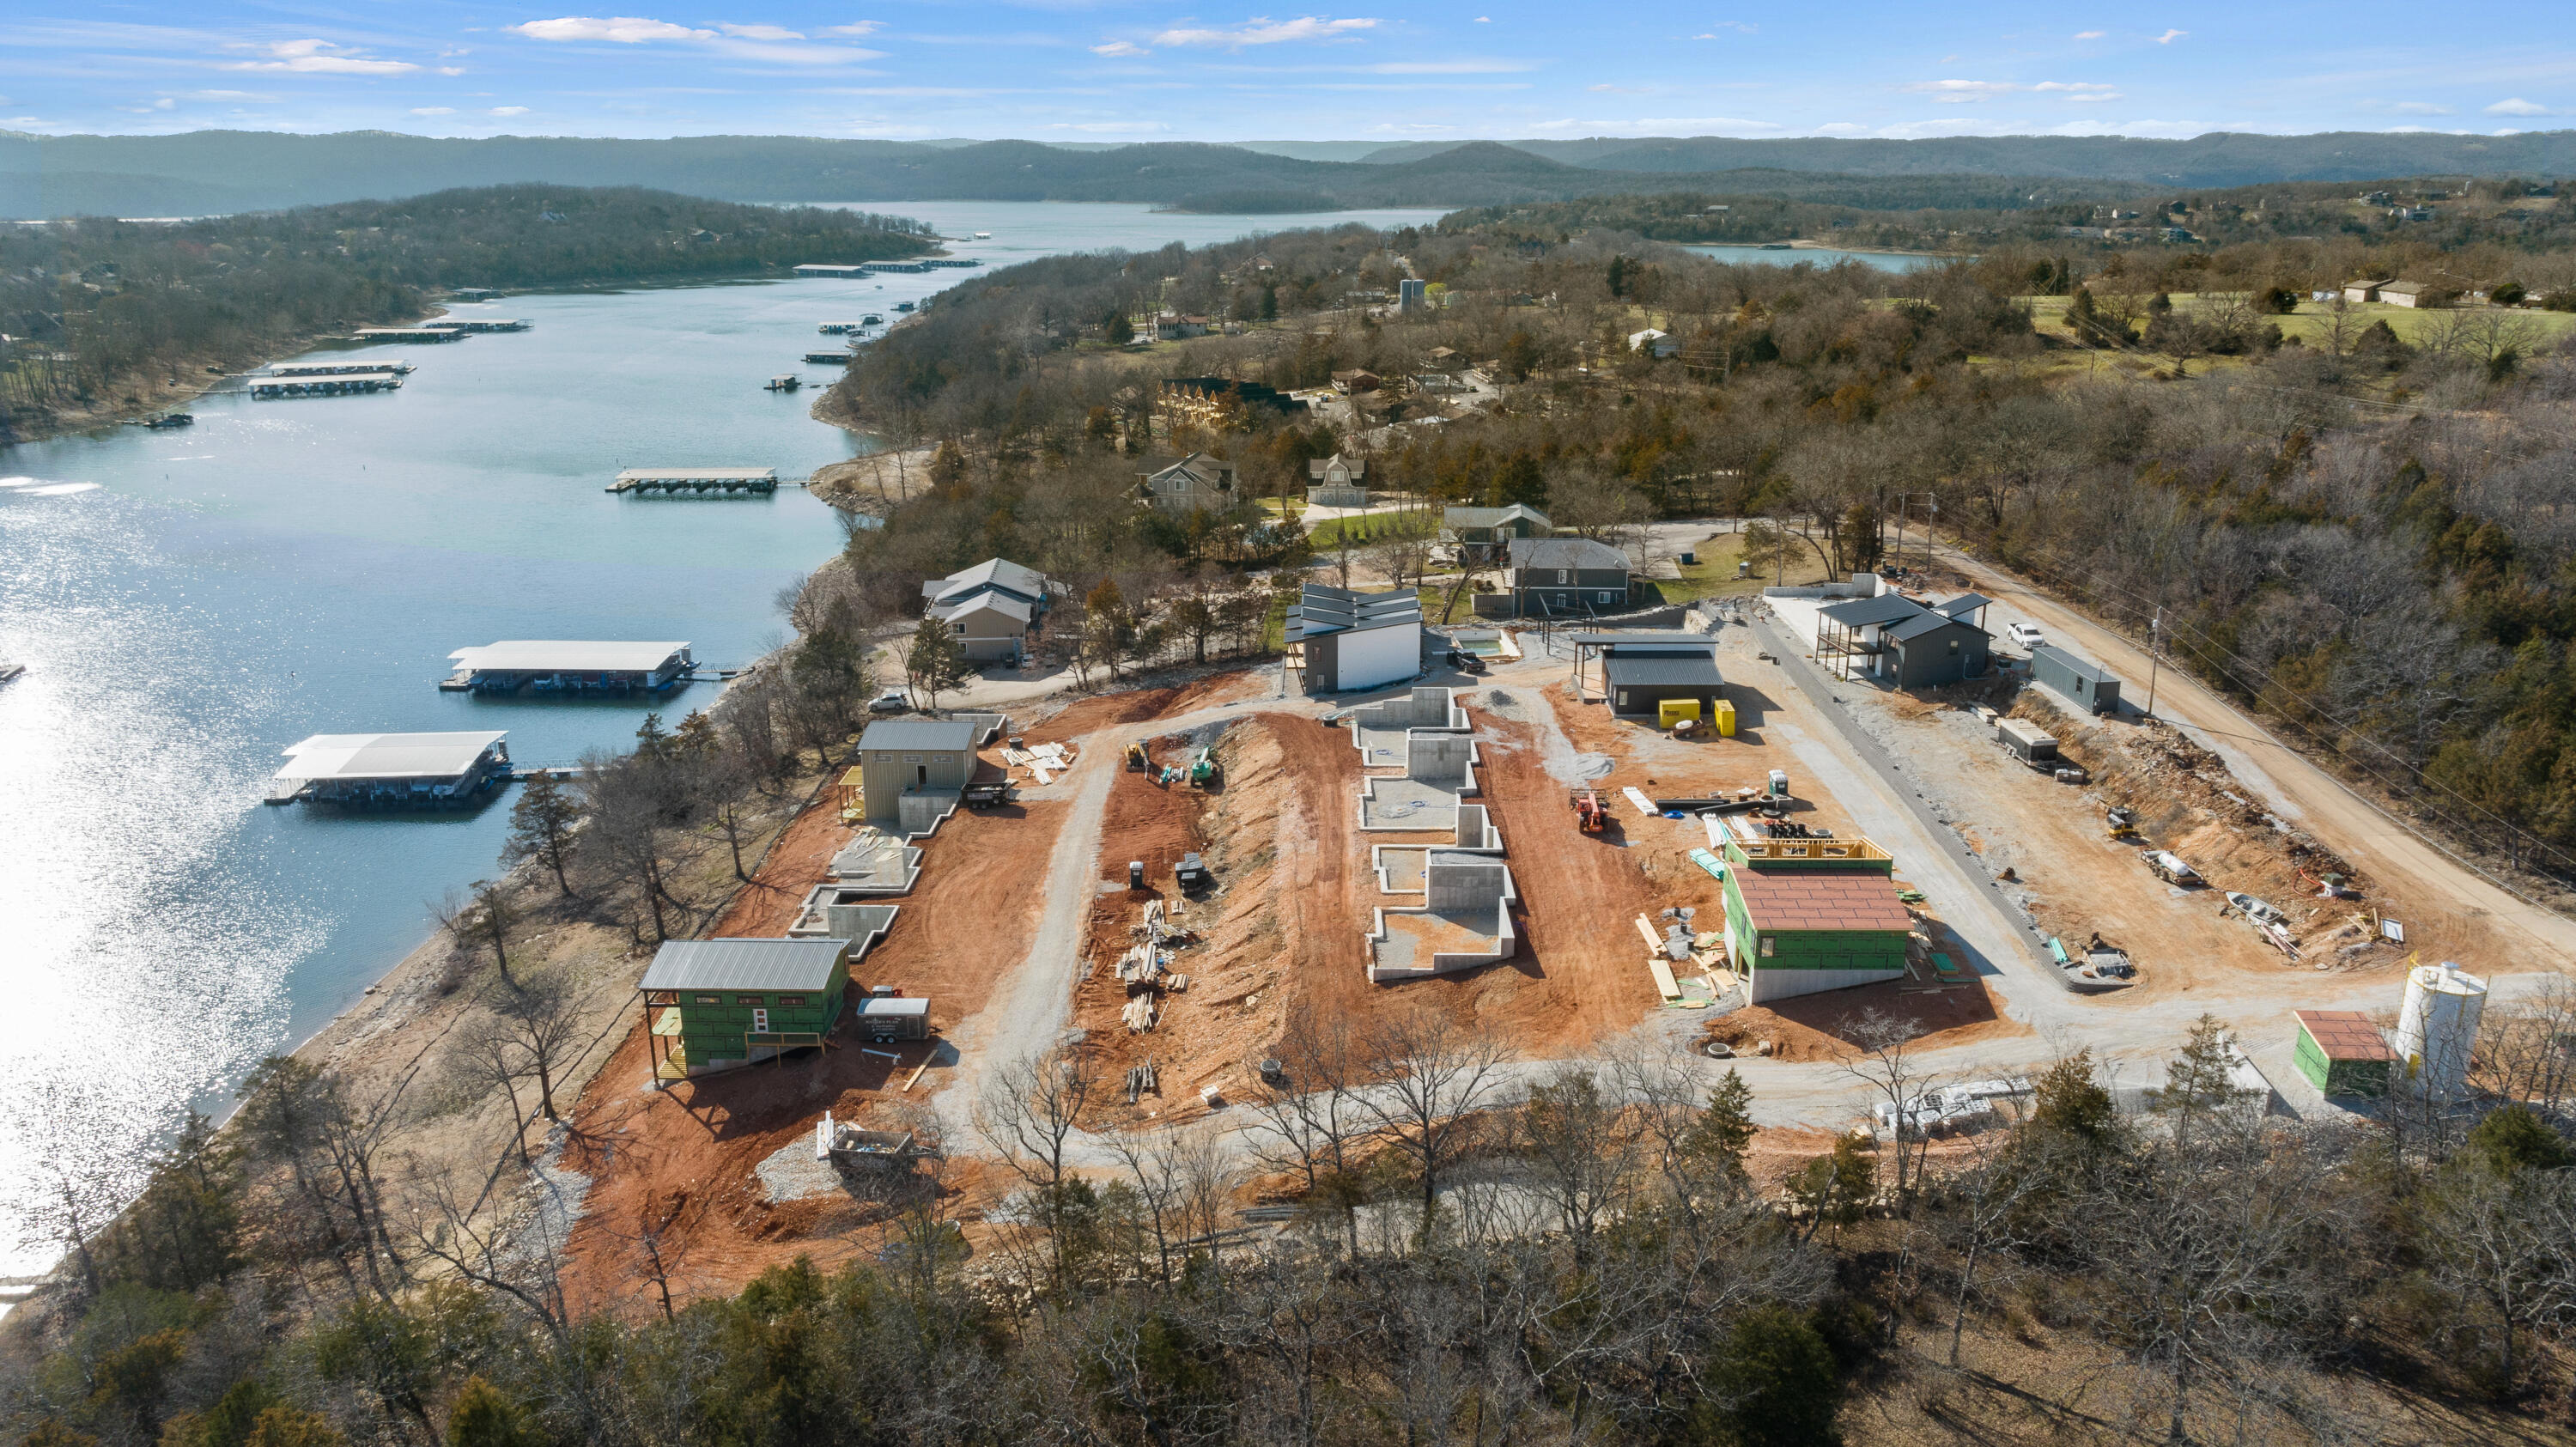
{"x": 210, "y": 171}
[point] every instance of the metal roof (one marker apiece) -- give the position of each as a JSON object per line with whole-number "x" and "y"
{"x": 992, "y": 572}
{"x": 1661, "y": 670}
{"x": 695, "y": 474}
{"x": 1322, "y": 609}
{"x": 1964, "y": 603}
{"x": 1000, "y": 600}
{"x": 1915, "y": 627}
{"x": 1566, "y": 553}
{"x": 954, "y": 735}
{"x": 1862, "y": 612}
{"x": 2086, "y": 671}
{"x": 532, "y": 655}
{"x": 1647, "y": 639}
{"x": 1491, "y": 517}
{"x": 386, "y": 756}
{"x": 894, "y": 1006}
{"x": 744, "y": 965}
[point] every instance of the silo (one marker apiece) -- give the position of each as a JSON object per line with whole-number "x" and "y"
{"x": 2438, "y": 1027}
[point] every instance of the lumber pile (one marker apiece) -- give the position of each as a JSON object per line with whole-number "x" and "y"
{"x": 1044, "y": 762}
{"x": 1139, "y": 1014}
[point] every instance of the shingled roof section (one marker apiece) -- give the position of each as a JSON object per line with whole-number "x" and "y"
{"x": 1821, "y": 901}
{"x": 2345, "y": 1034}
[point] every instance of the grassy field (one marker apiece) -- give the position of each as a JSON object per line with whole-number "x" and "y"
{"x": 2312, "y": 320}
{"x": 1713, "y": 576}
{"x": 1373, "y": 527}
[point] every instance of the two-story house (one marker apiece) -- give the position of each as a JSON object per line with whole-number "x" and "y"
{"x": 1564, "y": 578}
{"x": 1196, "y": 483}
{"x": 1483, "y": 533}
{"x": 1337, "y": 481}
{"x": 991, "y": 607}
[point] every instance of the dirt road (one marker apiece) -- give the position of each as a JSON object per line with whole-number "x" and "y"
{"x": 2295, "y": 788}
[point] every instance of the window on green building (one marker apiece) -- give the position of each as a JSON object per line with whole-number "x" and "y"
{"x": 1769, "y": 947}
{"x": 711, "y": 999}
{"x": 748, "y": 1000}
{"x": 787, "y": 1002}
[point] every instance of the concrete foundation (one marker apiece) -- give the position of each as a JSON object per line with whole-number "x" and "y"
{"x": 920, "y": 812}
{"x": 1380, "y": 730}
{"x": 1407, "y": 806}
{"x": 877, "y": 863}
{"x": 1466, "y": 921}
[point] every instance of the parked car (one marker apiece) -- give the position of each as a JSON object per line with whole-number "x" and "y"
{"x": 1465, "y": 662}
{"x": 890, "y": 703}
{"x": 2025, "y": 635}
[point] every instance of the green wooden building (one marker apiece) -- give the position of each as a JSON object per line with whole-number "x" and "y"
{"x": 715, "y": 1004}
{"x": 2342, "y": 1053}
{"x": 1805, "y": 915}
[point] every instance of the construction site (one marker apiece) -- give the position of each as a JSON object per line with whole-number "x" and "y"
{"x": 1776, "y": 855}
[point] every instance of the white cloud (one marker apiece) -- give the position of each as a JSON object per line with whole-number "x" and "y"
{"x": 1618, "y": 89}
{"x": 1842, "y": 128}
{"x": 2089, "y": 34}
{"x": 1917, "y": 130}
{"x": 2517, "y": 106}
{"x": 451, "y": 70}
{"x": 433, "y": 110}
{"x": 1732, "y": 123}
{"x": 2094, "y": 97}
{"x": 509, "y": 110}
{"x": 1484, "y": 20}
{"x": 1962, "y": 92}
{"x": 1119, "y": 50}
{"x": 1738, "y": 26}
{"x": 231, "y": 95}
{"x": 2079, "y": 92}
{"x": 320, "y": 57}
{"x": 2070, "y": 85}
{"x": 855, "y": 29}
{"x": 2420, "y": 108}
{"x": 1451, "y": 67}
{"x": 1264, "y": 31}
{"x": 2170, "y": 36}
{"x": 623, "y": 29}
{"x": 2154, "y": 130}
{"x": 761, "y": 32}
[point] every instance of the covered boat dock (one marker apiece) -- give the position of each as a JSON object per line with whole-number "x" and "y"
{"x": 442, "y": 770}
{"x": 338, "y": 369}
{"x": 335, "y": 384}
{"x": 570, "y": 666}
{"x": 698, "y": 481}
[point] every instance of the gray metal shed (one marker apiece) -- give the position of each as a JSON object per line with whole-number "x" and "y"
{"x": 2084, "y": 683}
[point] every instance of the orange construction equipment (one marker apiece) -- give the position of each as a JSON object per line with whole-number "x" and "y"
{"x": 1589, "y": 816}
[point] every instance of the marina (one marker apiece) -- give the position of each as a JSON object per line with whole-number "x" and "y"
{"x": 569, "y": 666}
{"x": 828, "y": 359}
{"x": 336, "y": 384}
{"x": 507, "y": 324}
{"x": 838, "y": 329}
{"x": 697, "y": 481}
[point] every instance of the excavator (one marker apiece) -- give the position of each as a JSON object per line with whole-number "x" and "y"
{"x": 1589, "y": 815}
{"x": 1203, "y": 769}
{"x": 1136, "y": 757}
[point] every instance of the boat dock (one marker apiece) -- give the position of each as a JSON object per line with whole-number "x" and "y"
{"x": 839, "y": 329}
{"x": 409, "y": 334}
{"x": 570, "y": 667}
{"x": 497, "y": 324}
{"x": 784, "y": 382}
{"x": 834, "y": 270}
{"x": 336, "y": 384}
{"x": 828, "y": 359}
{"x": 697, "y": 481}
{"x": 338, "y": 369}
{"x": 440, "y": 770}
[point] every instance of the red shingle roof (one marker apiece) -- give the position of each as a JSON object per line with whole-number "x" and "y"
{"x": 2345, "y": 1034}
{"x": 1821, "y": 900}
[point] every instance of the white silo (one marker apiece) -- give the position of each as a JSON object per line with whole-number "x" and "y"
{"x": 2438, "y": 1027}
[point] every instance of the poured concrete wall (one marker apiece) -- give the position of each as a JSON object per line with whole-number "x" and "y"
{"x": 1447, "y": 760}
{"x": 1476, "y": 832}
{"x": 919, "y": 811}
{"x": 1423, "y": 708}
{"x": 1456, "y": 883}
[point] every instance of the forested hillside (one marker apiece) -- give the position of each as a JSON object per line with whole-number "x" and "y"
{"x": 97, "y": 309}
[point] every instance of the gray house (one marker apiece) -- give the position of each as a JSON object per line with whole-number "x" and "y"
{"x": 1564, "y": 578}
{"x": 1196, "y": 483}
{"x": 1339, "y": 639}
{"x": 1894, "y": 638}
{"x": 991, "y": 607}
{"x": 1482, "y": 533}
{"x": 930, "y": 759}
{"x": 1337, "y": 481}
{"x": 1641, "y": 670}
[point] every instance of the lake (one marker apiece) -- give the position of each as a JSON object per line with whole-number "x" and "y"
{"x": 188, "y": 603}
{"x": 1819, "y": 256}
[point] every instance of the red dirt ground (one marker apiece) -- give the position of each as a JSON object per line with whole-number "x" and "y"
{"x": 681, "y": 1160}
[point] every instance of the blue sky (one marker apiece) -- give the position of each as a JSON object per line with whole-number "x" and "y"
{"x": 1069, "y": 70}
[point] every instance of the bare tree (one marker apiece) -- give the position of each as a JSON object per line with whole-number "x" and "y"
{"x": 542, "y": 1017}
{"x": 483, "y": 916}
{"x": 1431, "y": 1076}
{"x": 1879, "y": 1054}
{"x": 1028, "y": 1114}
{"x": 1581, "y": 1146}
{"x": 1310, "y": 1122}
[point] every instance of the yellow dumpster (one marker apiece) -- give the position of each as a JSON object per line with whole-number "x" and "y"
{"x": 1671, "y": 711}
{"x": 1725, "y": 718}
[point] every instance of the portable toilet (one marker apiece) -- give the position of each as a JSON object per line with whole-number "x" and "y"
{"x": 1671, "y": 711}
{"x": 1725, "y": 712}
{"x": 1779, "y": 783}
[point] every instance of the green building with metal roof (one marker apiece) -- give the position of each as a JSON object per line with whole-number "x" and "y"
{"x": 1808, "y": 915}
{"x": 715, "y": 1004}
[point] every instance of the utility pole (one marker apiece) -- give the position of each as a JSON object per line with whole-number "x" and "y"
{"x": 1902, "y": 499}
{"x": 2155, "y": 657}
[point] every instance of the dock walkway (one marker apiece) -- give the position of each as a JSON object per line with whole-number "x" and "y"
{"x": 697, "y": 481}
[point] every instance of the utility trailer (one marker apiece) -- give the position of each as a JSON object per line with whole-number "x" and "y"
{"x": 987, "y": 796}
{"x": 2168, "y": 866}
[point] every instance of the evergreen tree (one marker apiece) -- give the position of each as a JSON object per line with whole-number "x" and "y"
{"x": 541, "y": 828}
{"x": 935, "y": 663}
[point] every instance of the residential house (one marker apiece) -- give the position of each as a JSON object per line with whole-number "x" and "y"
{"x": 1219, "y": 403}
{"x": 2411, "y": 294}
{"x": 1483, "y": 533}
{"x": 1809, "y": 915}
{"x": 2358, "y": 292}
{"x": 1196, "y": 483}
{"x": 714, "y": 1004}
{"x": 1654, "y": 342}
{"x": 1639, "y": 671}
{"x": 992, "y": 607}
{"x": 1894, "y": 638}
{"x": 1561, "y": 578}
{"x": 919, "y": 759}
{"x": 1337, "y": 481}
{"x": 1353, "y": 382}
{"x": 1339, "y": 639}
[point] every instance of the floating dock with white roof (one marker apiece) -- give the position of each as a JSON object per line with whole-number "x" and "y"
{"x": 570, "y": 666}
{"x": 338, "y": 369}
{"x": 409, "y": 334}
{"x": 698, "y": 481}
{"x": 377, "y": 771}
{"x": 480, "y": 324}
{"x": 334, "y": 384}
